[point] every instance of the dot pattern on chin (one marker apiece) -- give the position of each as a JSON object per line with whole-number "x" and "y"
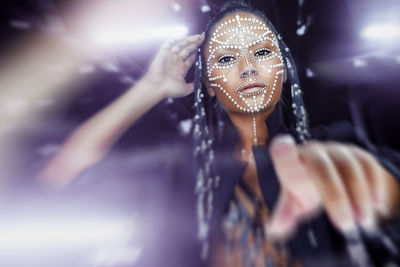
{"x": 243, "y": 33}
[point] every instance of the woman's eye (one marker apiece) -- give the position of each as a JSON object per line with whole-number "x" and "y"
{"x": 226, "y": 59}
{"x": 262, "y": 52}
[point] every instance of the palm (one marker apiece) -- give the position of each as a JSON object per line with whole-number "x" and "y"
{"x": 171, "y": 64}
{"x": 174, "y": 72}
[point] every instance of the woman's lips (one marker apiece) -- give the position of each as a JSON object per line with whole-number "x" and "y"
{"x": 251, "y": 88}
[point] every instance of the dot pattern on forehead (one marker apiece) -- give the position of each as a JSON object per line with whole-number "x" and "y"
{"x": 243, "y": 32}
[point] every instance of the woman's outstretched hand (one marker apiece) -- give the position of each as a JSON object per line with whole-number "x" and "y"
{"x": 168, "y": 70}
{"x": 346, "y": 181}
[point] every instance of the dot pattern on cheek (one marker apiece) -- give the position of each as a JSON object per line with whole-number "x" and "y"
{"x": 238, "y": 35}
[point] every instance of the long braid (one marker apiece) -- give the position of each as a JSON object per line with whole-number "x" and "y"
{"x": 207, "y": 177}
{"x": 299, "y": 111}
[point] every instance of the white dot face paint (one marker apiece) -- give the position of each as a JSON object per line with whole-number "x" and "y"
{"x": 244, "y": 63}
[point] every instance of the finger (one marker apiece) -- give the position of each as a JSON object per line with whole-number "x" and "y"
{"x": 169, "y": 43}
{"x": 184, "y": 53}
{"x": 330, "y": 186}
{"x": 292, "y": 174}
{"x": 187, "y": 41}
{"x": 179, "y": 45}
{"x": 190, "y": 60}
{"x": 176, "y": 48}
{"x": 354, "y": 179}
{"x": 164, "y": 52}
{"x": 199, "y": 38}
{"x": 284, "y": 218}
{"x": 376, "y": 177}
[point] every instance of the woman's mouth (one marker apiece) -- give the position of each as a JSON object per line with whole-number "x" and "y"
{"x": 251, "y": 89}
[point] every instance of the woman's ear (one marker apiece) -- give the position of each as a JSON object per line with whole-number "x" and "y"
{"x": 210, "y": 91}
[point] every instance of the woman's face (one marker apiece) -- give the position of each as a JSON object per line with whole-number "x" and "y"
{"x": 244, "y": 64}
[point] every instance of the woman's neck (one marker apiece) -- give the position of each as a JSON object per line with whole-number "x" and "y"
{"x": 251, "y": 128}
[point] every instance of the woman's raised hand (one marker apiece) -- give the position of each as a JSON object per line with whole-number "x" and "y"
{"x": 168, "y": 70}
{"x": 92, "y": 140}
{"x": 347, "y": 182}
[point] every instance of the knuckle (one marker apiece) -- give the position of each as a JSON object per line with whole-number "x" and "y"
{"x": 311, "y": 145}
{"x": 314, "y": 154}
{"x": 336, "y": 147}
{"x": 354, "y": 147}
{"x": 332, "y": 143}
{"x": 175, "y": 49}
{"x": 335, "y": 199}
{"x": 362, "y": 153}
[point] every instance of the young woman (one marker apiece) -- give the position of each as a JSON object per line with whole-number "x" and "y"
{"x": 262, "y": 176}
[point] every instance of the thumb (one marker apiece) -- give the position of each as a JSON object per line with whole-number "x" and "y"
{"x": 292, "y": 173}
{"x": 284, "y": 218}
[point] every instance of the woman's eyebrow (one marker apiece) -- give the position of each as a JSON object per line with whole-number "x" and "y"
{"x": 262, "y": 43}
{"x": 225, "y": 50}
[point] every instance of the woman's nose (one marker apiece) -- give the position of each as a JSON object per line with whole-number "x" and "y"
{"x": 248, "y": 72}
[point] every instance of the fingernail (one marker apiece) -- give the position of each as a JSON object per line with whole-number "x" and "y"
{"x": 383, "y": 207}
{"x": 365, "y": 218}
{"x": 347, "y": 227}
{"x": 379, "y": 203}
{"x": 272, "y": 231}
{"x": 282, "y": 144}
{"x": 384, "y": 211}
{"x": 369, "y": 225}
{"x": 287, "y": 139}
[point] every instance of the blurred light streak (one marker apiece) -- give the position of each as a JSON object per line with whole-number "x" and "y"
{"x": 51, "y": 234}
{"x": 48, "y": 149}
{"x": 382, "y": 31}
{"x": 44, "y": 65}
{"x": 25, "y": 80}
{"x": 127, "y": 80}
{"x": 45, "y": 102}
{"x": 20, "y": 25}
{"x": 14, "y": 106}
{"x": 86, "y": 69}
{"x": 110, "y": 67}
{"x": 132, "y": 37}
{"x": 116, "y": 256}
{"x": 359, "y": 63}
